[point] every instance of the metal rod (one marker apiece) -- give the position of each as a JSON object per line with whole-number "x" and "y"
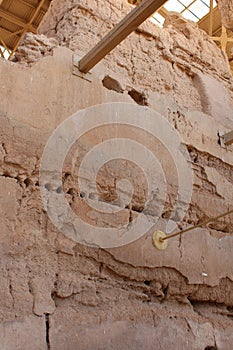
{"x": 203, "y": 223}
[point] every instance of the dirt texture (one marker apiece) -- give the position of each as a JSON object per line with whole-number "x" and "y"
{"x": 226, "y": 11}
{"x": 59, "y": 294}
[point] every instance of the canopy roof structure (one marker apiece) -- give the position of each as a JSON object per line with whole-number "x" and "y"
{"x": 193, "y": 10}
{"x": 16, "y": 18}
{"x": 20, "y": 16}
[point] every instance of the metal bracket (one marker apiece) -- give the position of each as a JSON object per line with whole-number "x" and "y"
{"x": 76, "y": 71}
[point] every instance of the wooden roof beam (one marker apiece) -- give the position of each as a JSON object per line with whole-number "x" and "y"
{"x": 5, "y": 31}
{"x": 30, "y": 5}
{"x": 1, "y": 53}
{"x": 16, "y": 20}
{"x": 8, "y": 33}
{"x": 228, "y": 138}
{"x": 130, "y": 23}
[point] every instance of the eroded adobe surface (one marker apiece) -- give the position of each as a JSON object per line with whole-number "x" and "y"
{"x": 58, "y": 294}
{"x": 226, "y": 11}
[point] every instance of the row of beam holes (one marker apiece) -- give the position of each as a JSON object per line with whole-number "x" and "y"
{"x": 59, "y": 190}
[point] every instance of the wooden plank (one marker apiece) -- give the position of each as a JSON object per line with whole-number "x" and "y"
{"x": 16, "y": 20}
{"x": 131, "y": 22}
{"x": 30, "y": 5}
{"x": 204, "y": 22}
{"x": 5, "y": 31}
{"x": 4, "y": 45}
{"x": 228, "y": 138}
{"x": 37, "y": 10}
{"x": 7, "y": 34}
{"x": 211, "y": 18}
{"x": 1, "y": 53}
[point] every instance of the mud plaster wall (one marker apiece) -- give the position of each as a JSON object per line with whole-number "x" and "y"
{"x": 56, "y": 294}
{"x": 226, "y": 11}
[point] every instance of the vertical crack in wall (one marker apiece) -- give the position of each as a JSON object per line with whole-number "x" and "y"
{"x": 12, "y": 295}
{"x": 47, "y": 327}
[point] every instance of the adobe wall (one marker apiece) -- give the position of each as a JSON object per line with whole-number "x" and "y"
{"x": 226, "y": 11}
{"x": 59, "y": 293}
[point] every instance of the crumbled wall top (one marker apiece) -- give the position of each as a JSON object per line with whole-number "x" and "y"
{"x": 81, "y": 24}
{"x": 34, "y": 47}
{"x": 152, "y": 59}
{"x": 226, "y": 10}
